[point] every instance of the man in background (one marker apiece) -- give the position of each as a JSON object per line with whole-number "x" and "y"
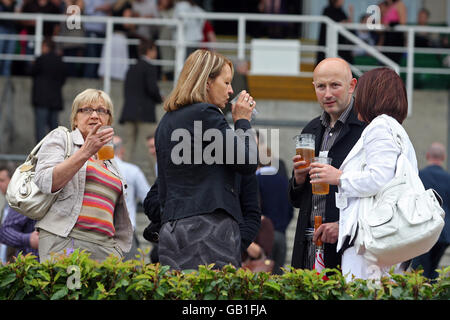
{"x": 434, "y": 176}
{"x": 17, "y": 232}
{"x": 49, "y": 75}
{"x": 152, "y": 153}
{"x": 136, "y": 190}
{"x": 141, "y": 95}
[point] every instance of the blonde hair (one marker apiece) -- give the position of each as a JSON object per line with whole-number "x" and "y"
{"x": 200, "y": 66}
{"x": 89, "y": 97}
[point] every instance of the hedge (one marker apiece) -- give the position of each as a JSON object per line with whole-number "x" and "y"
{"x": 113, "y": 279}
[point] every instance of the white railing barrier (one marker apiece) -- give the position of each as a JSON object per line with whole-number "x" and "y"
{"x": 109, "y": 21}
{"x": 410, "y": 50}
{"x": 331, "y": 48}
{"x": 333, "y": 29}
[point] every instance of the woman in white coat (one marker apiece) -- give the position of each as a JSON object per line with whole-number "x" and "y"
{"x": 380, "y": 101}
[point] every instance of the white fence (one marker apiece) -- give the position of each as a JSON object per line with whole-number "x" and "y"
{"x": 242, "y": 47}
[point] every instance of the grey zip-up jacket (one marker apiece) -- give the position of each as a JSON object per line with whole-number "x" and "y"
{"x": 63, "y": 214}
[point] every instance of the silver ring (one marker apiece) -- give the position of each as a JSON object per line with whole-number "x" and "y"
{"x": 251, "y": 103}
{"x": 317, "y": 176}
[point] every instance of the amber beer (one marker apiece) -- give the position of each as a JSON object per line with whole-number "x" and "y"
{"x": 306, "y": 154}
{"x": 304, "y": 147}
{"x": 107, "y": 151}
{"x": 321, "y": 188}
{"x": 317, "y": 223}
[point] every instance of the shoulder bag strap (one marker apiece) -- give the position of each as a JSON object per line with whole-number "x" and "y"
{"x": 69, "y": 143}
{"x": 68, "y": 149}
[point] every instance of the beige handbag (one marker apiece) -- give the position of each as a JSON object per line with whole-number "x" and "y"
{"x": 22, "y": 194}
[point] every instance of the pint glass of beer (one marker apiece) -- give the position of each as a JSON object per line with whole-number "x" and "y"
{"x": 107, "y": 151}
{"x": 321, "y": 188}
{"x": 304, "y": 147}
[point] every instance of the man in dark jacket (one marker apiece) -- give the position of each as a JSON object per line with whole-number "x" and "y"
{"x": 142, "y": 94}
{"x": 434, "y": 176}
{"x": 336, "y": 131}
{"x": 49, "y": 75}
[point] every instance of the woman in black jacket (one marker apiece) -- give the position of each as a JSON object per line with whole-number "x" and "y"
{"x": 199, "y": 161}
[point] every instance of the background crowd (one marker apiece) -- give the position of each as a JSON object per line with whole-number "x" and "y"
{"x": 393, "y": 13}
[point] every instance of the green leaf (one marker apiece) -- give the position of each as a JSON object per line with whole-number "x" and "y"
{"x": 8, "y": 279}
{"x": 210, "y": 296}
{"x": 60, "y": 293}
{"x": 271, "y": 284}
{"x": 44, "y": 274}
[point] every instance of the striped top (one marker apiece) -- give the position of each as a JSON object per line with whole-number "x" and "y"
{"x": 101, "y": 192}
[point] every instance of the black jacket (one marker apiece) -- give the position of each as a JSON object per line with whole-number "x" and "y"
{"x": 190, "y": 183}
{"x": 49, "y": 74}
{"x": 302, "y": 197}
{"x": 434, "y": 176}
{"x": 141, "y": 93}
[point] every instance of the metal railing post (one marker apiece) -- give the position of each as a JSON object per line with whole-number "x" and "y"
{"x": 241, "y": 38}
{"x": 180, "y": 50}
{"x": 332, "y": 40}
{"x": 107, "y": 57}
{"x": 410, "y": 70}
{"x": 38, "y": 33}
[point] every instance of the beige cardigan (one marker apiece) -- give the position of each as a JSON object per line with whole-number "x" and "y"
{"x": 63, "y": 214}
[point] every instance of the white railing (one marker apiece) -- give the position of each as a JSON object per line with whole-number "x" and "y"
{"x": 108, "y": 21}
{"x": 333, "y": 29}
{"x": 410, "y": 50}
{"x": 241, "y": 46}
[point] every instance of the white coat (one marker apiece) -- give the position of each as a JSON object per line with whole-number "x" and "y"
{"x": 380, "y": 151}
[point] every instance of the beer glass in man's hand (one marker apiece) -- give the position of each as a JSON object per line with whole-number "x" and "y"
{"x": 320, "y": 188}
{"x": 305, "y": 148}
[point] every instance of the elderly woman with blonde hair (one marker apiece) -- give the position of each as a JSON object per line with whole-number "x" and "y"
{"x": 198, "y": 181}
{"x": 89, "y": 212}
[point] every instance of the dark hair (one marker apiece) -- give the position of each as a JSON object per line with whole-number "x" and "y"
{"x": 145, "y": 45}
{"x": 9, "y": 167}
{"x": 49, "y": 43}
{"x": 332, "y": 3}
{"x": 381, "y": 91}
{"x": 426, "y": 11}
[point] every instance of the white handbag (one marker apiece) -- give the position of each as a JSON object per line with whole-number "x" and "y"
{"x": 402, "y": 221}
{"x": 22, "y": 194}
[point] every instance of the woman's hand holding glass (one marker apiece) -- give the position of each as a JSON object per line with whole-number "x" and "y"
{"x": 96, "y": 139}
{"x": 243, "y": 107}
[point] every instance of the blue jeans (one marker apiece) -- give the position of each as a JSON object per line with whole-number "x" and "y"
{"x": 45, "y": 120}
{"x": 6, "y": 47}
